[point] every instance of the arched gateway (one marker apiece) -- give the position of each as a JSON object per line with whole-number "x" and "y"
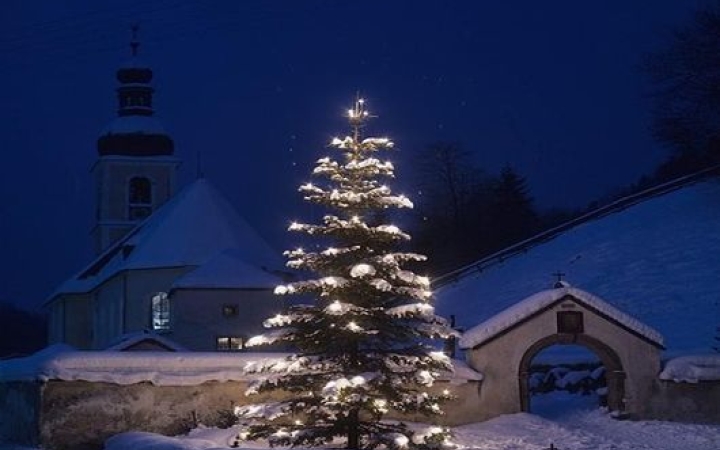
{"x": 614, "y": 373}
{"x": 503, "y": 347}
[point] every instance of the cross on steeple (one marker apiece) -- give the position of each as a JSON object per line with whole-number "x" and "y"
{"x": 559, "y": 283}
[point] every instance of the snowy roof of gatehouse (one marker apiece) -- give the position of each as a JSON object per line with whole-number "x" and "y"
{"x": 191, "y": 229}
{"x": 538, "y": 302}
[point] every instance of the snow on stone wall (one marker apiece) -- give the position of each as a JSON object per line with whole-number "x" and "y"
{"x": 692, "y": 369}
{"x": 61, "y": 362}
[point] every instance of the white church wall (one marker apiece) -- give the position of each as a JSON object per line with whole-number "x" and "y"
{"x": 56, "y": 322}
{"x": 141, "y": 286}
{"x": 198, "y": 319}
{"x": 71, "y": 320}
{"x": 108, "y": 311}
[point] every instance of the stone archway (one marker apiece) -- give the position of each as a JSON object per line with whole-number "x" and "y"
{"x": 614, "y": 372}
{"x": 502, "y": 348}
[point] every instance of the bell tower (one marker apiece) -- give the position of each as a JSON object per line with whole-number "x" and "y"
{"x": 135, "y": 170}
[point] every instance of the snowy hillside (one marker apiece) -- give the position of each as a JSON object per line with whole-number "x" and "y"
{"x": 658, "y": 260}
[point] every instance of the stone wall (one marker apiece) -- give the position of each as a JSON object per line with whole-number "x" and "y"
{"x": 20, "y": 412}
{"x": 685, "y": 402}
{"x": 81, "y": 415}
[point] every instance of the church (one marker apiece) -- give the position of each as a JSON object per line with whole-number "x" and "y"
{"x": 182, "y": 270}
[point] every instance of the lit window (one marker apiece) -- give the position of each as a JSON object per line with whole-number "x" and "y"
{"x": 230, "y": 310}
{"x": 229, "y": 343}
{"x": 160, "y": 307}
{"x": 139, "y": 198}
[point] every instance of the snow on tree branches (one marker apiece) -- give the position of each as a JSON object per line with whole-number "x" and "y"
{"x": 362, "y": 347}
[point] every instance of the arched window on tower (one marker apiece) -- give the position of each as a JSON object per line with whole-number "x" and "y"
{"x": 139, "y": 198}
{"x": 160, "y": 312}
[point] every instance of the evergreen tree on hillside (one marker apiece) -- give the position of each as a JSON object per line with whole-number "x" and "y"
{"x": 362, "y": 347}
{"x": 686, "y": 79}
{"x": 21, "y": 332}
{"x": 452, "y": 193}
{"x": 512, "y": 211}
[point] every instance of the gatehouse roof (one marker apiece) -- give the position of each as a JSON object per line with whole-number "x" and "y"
{"x": 539, "y": 302}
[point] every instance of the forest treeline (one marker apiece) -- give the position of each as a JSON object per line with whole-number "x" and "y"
{"x": 21, "y": 332}
{"x": 465, "y": 214}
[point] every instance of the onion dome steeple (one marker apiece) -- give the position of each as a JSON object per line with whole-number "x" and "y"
{"x": 135, "y": 132}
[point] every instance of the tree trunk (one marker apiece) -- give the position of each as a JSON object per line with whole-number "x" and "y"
{"x": 353, "y": 441}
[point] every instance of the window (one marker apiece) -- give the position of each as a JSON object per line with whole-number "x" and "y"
{"x": 160, "y": 311}
{"x": 229, "y": 343}
{"x": 570, "y": 322}
{"x": 230, "y": 310}
{"x": 139, "y": 198}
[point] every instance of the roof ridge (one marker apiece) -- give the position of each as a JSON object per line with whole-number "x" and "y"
{"x": 538, "y": 302}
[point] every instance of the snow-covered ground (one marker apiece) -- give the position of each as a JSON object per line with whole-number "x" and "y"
{"x": 589, "y": 429}
{"x": 569, "y": 422}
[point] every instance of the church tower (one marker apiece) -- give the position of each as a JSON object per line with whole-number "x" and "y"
{"x": 135, "y": 171}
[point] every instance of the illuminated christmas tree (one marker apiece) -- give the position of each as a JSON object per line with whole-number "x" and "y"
{"x": 363, "y": 345}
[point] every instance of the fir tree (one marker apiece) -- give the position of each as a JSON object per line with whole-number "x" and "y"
{"x": 512, "y": 211}
{"x": 363, "y": 346}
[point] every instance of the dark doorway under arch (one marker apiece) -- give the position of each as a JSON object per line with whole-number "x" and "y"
{"x": 614, "y": 373}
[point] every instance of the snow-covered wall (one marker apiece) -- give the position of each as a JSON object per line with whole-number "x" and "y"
{"x": 79, "y": 415}
{"x": 82, "y": 415}
{"x": 63, "y": 399}
{"x": 692, "y": 369}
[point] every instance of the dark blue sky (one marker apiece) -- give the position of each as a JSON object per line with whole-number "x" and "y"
{"x": 258, "y": 87}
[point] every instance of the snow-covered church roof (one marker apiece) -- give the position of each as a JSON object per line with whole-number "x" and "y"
{"x": 656, "y": 257}
{"x": 536, "y": 303}
{"x": 227, "y": 269}
{"x": 195, "y": 226}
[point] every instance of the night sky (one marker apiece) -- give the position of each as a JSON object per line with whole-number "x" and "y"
{"x": 257, "y": 88}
